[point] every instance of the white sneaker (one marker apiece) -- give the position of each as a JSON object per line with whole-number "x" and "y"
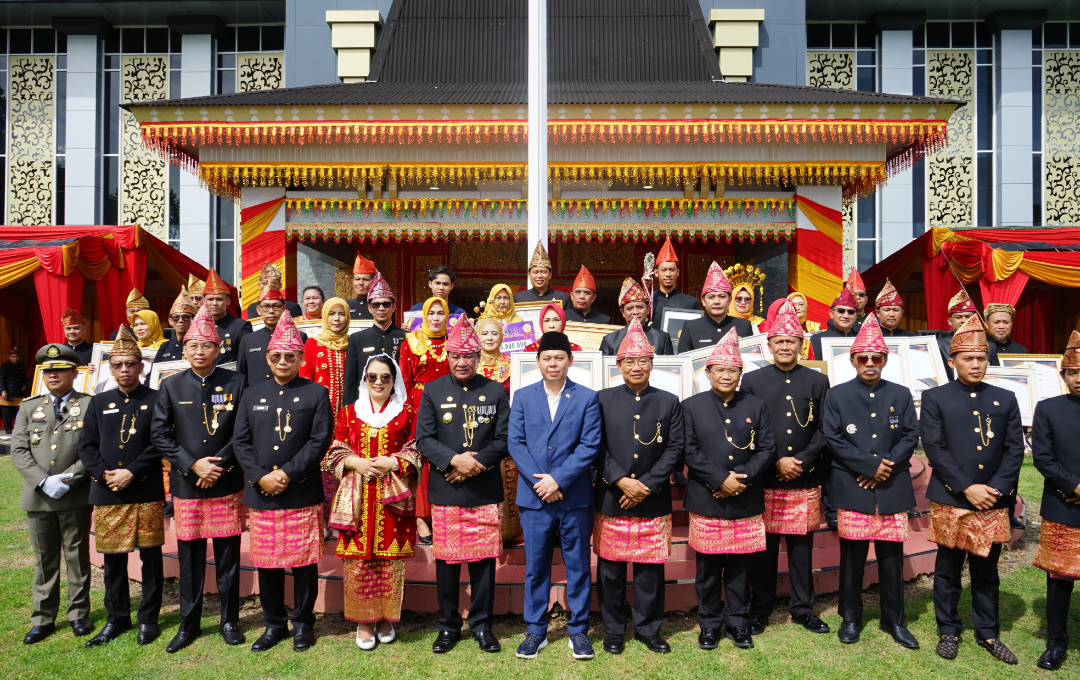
{"x": 386, "y": 638}
{"x": 366, "y": 645}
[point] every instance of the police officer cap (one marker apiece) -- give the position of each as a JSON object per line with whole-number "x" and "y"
{"x": 56, "y": 357}
{"x": 554, "y": 341}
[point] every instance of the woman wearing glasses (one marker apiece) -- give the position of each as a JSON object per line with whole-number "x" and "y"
{"x": 324, "y": 363}
{"x": 422, "y": 359}
{"x": 373, "y": 456}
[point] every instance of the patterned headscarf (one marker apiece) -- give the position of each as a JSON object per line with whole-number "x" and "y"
{"x": 635, "y": 343}
{"x": 726, "y": 353}
{"x": 156, "y": 338}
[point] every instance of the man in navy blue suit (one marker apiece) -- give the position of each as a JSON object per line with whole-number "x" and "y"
{"x": 554, "y": 439}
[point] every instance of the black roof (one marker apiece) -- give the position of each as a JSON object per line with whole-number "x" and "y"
{"x": 599, "y": 52}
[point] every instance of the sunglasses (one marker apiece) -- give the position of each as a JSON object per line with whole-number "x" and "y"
{"x": 383, "y": 378}
{"x": 125, "y": 364}
{"x": 381, "y": 305}
{"x": 181, "y": 317}
{"x": 875, "y": 359}
{"x": 743, "y": 298}
{"x": 860, "y": 295}
{"x": 847, "y": 311}
{"x": 287, "y": 358}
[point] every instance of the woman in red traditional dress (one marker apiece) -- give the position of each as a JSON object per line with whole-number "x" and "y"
{"x": 324, "y": 363}
{"x": 373, "y": 456}
{"x": 552, "y": 320}
{"x": 495, "y": 364}
{"x": 423, "y": 359}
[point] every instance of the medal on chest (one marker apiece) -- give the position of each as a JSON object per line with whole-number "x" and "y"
{"x": 283, "y": 431}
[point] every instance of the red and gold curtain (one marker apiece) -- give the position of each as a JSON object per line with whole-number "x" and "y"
{"x": 815, "y": 258}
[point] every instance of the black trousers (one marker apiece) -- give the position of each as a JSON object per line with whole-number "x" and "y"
{"x": 1058, "y": 595}
{"x": 447, "y": 587}
{"x": 192, "y": 556}
{"x": 118, "y": 595}
{"x": 827, "y": 501}
{"x": 984, "y": 591}
{"x": 890, "y": 559}
{"x": 800, "y": 574}
{"x": 9, "y": 413}
{"x": 272, "y": 595}
{"x": 733, "y": 572}
{"x": 647, "y": 612}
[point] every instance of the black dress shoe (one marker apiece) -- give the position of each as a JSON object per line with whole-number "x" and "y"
{"x": 445, "y": 641}
{"x": 1052, "y": 659}
{"x": 848, "y": 633}
{"x": 831, "y": 523}
{"x": 268, "y": 639}
{"x": 231, "y": 632}
{"x": 82, "y": 627}
{"x": 1016, "y": 523}
{"x": 740, "y": 636}
{"x": 757, "y": 625}
{"x": 709, "y": 638}
{"x": 613, "y": 644}
{"x": 654, "y": 643}
{"x": 303, "y": 639}
{"x": 110, "y": 632}
{"x": 811, "y": 623}
{"x": 182, "y": 639}
{"x": 901, "y": 635}
{"x": 169, "y": 509}
{"x": 424, "y": 540}
{"x": 148, "y": 632}
{"x": 39, "y": 633}
{"x": 487, "y": 641}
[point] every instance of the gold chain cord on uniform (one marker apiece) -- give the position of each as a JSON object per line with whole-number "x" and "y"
{"x": 283, "y": 432}
{"x": 809, "y": 417}
{"x": 989, "y": 433}
{"x": 469, "y": 424}
{"x": 732, "y": 441}
{"x": 206, "y": 424}
{"x": 655, "y": 436}
{"x": 130, "y": 431}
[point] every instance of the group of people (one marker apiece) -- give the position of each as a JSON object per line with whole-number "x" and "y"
{"x": 393, "y": 439}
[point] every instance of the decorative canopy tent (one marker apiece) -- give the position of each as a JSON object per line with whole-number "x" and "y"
{"x": 1031, "y": 269}
{"x": 91, "y": 269}
{"x": 645, "y": 139}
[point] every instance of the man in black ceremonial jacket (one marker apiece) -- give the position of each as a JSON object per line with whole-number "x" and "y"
{"x": 666, "y": 295}
{"x": 540, "y": 278}
{"x": 384, "y": 337}
{"x": 642, "y": 445}
{"x": 181, "y": 313}
{"x": 842, "y": 317}
{"x": 715, "y": 300}
{"x": 871, "y": 429}
{"x": 1054, "y": 434}
{"x": 729, "y": 446}
{"x": 193, "y": 428}
{"x": 974, "y": 440}
{"x": 251, "y": 360}
{"x": 794, "y": 395}
{"x": 126, "y": 491}
{"x": 462, "y": 429}
{"x": 283, "y": 428}
{"x": 889, "y": 307}
{"x": 230, "y": 329}
{"x": 634, "y": 304}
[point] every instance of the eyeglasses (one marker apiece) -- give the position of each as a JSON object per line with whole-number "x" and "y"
{"x": 117, "y": 365}
{"x": 204, "y": 346}
{"x": 876, "y": 359}
{"x": 846, "y": 311}
{"x": 726, "y": 372}
{"x": 383, "y": 378}
{"x": 278, "y": 357}
{"x": 181, "y": 317}
{"x": 272, "y": 308}
{"x": 640, "y": 362}
{"x": 860, "y": 295}
{"x": 380, "y": 305}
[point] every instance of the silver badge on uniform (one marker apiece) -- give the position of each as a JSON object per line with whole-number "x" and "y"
{"x": 851, "y": 429}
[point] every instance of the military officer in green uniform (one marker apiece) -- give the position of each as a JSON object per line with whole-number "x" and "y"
{"x": 55, "y": 493}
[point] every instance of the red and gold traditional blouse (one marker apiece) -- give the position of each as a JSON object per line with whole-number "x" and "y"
{"x": 326, "y": 367}
{"x": 382, "y": 533}
{"x": 422, "y": 360}
{"x": 498, "y": 369}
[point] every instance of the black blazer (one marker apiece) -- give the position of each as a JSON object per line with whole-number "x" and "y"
{"x": 660, "y": 341}
{"x": 1055, "y": 431}
{"x": 960, "y": 456}
{"x": 863, "y": 425}
{"x": 230, "y": 330}
{"x": 439, "y": 441}
{"x": 657, "y": 419}
{"x": 262, "y": 444}
{"x": 182, "y": 429}
{"x": 711, "y": 456}
{"x": 251, "y": 359}
{"x": 704, "y": 332}
{"x": 107, "y": 443}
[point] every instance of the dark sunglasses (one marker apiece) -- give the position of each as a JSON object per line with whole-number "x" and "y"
{"x": 384, "y": 378}
{"x": 181, "y": 317}
{"x": 125, "y": 364}
{"x": 875, "y": 359}
{"x": 847, "y": 310}
{"x": 381, "y": 305}
{"x": 860, "y": 295}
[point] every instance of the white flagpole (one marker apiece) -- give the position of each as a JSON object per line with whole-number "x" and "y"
{"x": 538, "y": 149}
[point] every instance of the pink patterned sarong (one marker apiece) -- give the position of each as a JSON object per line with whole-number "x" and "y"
{"x": 197, "y": 518}
{"x": 792, "y": 511}
{"x": 282, "y": 539}
{"x": 856, "y": 526}
{"x": 645, "y": 540}
{"x": 716, "y": 536}
{"x": 462, "y": 535}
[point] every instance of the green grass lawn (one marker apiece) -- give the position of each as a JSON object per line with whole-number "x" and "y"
{"x": 784, "y": 651}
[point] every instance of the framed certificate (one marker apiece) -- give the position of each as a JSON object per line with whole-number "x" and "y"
{"x": 82, "y": 381}
{"x": 101, "y": 379}
{"x": 163, "y": 369}
{"x": 1023, "y": 382}
{"x": 530, "y": 311}
{"x": 671, "y": 373}
{"x": 755, "y": 354}
{"x": 588, "y": 335}
{"x": 837, "y": 353}
{"x": 525, "y": 371}
{"x": 674, "y": 319}
{"x": 927, "y": 369}
{"x": 1047, "y": 370}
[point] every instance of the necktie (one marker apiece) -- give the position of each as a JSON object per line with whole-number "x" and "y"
{"x": 57, "y": 401}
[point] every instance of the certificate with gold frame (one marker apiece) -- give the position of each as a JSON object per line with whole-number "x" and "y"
{"x": 588, "y": 335}
{"x": 671, "y": 373}
{"x": 101, "y": 379}
{"x": 1022, "y": 382}
{"x": 82, "y": 381}
{"x": 524, "y": 370}
{"x": 163, "y": 369}
{"x": 755, "y": 354}
{"x": 1047, "y": 369}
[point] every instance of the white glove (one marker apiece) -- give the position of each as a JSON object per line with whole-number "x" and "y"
{"x": 54, "y": 486}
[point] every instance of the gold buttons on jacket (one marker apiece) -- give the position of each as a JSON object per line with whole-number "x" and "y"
{"x": 873, "y": 436}
{"x": 789, "y": 431}
{"x": 789, "y": 448}
{"x": 873, "y": 415}
{"x": 727, "y": 420}
{"x": 980, "y": 466}
{"x": 972, "y": 395}
{"x": 789, "y": 414}
{"x": 978, "y": 448}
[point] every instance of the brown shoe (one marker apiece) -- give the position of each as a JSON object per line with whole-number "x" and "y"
{"x": 999, "y": 651}
{"x": 948, "y": 647}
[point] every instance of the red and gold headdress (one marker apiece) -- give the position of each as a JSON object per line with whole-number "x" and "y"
{"x": 214, "y": 285}
{"x": 286, "y": 335}
{"x": 380, "y": 289}
{"x": 203, "y": 328}
{"x": 726, "y": 352}
{"x": 970, "y": 337}
{"x": 539, "y": 257}
{"x": 632, "y": 292}
{"x": 1071, "y": 357}
{"x": 869, "y": 340}
{"x": 271, "y": 293}
{"x": 126, "y": 345}
{"x": 362, "y": 265}
{"x": 961, "y": 303}
{"x": 635, "y": 343}
{"x": 889, "y": 296}
{"x": 715, "y": 281}
{"x": 584, "y": 280}
{"x": 71, "y": 317}
{"x": 846, "y": 299}
{"x": 854, "y": 281}
{"x": 183, "y": 304}
{"x": 462, "y": 337}
{"x": 667, "y": 253}
{"x": 787, "y": 322}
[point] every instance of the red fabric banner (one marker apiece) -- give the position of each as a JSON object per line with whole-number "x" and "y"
{"x": 55, "y": 293}
{"x": 1032, "y": 326}
{"x": 111, "y": 298}
{"x": 1005, "y": 292}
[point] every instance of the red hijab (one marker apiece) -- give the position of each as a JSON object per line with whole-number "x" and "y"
{"x": 770, "y": 318}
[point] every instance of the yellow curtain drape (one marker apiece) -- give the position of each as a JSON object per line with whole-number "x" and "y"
{"x": 1005, "y": 263}
{"x": 1055, "y": 274}
{"x": 11, "y": 273}
{"x": 831, "y": 228}
{"x": 258, "y": 224}
{"x": 814, "y": 281}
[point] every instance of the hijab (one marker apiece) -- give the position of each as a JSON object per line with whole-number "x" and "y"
{"x": 490, "y": 312}
{"x": 394, "y": 405}
{"x": 156, "y": 338}
{"x": 332, "y": 339}
{"x": 733, "y": 310}
{"x": 424, "y": 328}
{"x": 490, "y": 358}
{"x": 558, "y": 310}
{"x": 806, "y": 304}
{"x": 770, "y": 319}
